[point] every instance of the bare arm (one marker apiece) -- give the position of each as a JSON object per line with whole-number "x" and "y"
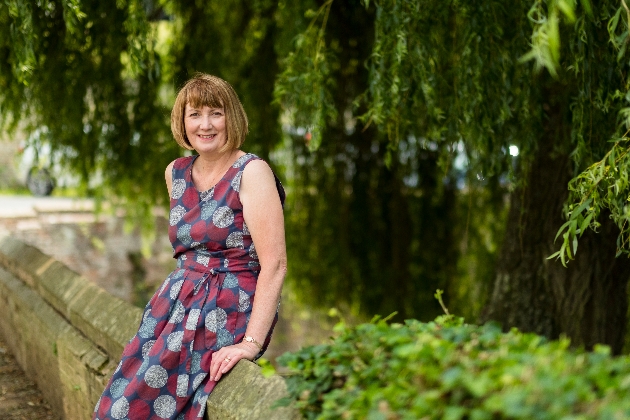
{"x": 168, "y": 175}
{"x": 262, "y": 211}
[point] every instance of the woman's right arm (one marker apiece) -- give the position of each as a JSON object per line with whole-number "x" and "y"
{"x": 168, "y": 175}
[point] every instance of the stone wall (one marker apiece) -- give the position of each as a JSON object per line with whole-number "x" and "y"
{"x": 68, "y": 334}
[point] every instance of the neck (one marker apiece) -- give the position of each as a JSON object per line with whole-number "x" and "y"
{"x": 207, "y": 170}
{"x": 211, "y": 162}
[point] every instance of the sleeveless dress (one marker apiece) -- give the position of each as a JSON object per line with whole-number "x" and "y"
{"x": 203, "y": 305}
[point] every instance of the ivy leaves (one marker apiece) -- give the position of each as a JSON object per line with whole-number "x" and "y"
{"x": 450, "y": 370}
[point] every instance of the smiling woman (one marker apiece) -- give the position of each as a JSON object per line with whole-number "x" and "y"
{"x": 227, "y": 232}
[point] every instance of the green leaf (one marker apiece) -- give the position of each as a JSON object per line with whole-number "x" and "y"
{"x": 561, "y": 229}
{"x": 585, "y": 223}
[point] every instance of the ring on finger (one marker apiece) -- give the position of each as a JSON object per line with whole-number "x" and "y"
{"x": 227, "y": 359}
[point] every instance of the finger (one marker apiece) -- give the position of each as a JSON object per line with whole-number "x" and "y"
{"x": 215, "y": 364}
{"x": 227, "y": 365}
{"x": 223, "y": 367}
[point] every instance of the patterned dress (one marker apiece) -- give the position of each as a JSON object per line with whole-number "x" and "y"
{"x": 203, "y": 305}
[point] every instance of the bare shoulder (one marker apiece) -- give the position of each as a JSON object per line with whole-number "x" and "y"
{"x": 168, "y": 176}
{"x": 257, "y": 168}
{"x": 257, "y": 172}
{"x": 257, "y": 182}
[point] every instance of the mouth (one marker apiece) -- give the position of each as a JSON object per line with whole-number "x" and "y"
{"x": 207, "y": 136}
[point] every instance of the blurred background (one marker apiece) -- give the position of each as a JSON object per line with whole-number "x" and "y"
{"x": 423, "y": 146}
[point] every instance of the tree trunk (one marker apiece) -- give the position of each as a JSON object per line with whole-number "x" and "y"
{"x": 587, "y": 301}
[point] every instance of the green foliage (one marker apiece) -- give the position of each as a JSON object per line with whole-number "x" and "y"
{"x": 545, "y": 16}
{"x": 603, "y": 187}
{"x": 304, "y": 87}
{"x": 450, "y": 370}
{"x": 87, "y": 73}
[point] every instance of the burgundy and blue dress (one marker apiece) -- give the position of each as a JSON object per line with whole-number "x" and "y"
{"x": 203, "y": 305}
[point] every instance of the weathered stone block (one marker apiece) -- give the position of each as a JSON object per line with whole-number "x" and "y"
{"x": 68, "y": 335}
{"x": 31, "y": 330}
{"x": 244, "y": 393}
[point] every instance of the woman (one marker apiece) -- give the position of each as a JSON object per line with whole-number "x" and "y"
{"x": 204, "y": 318}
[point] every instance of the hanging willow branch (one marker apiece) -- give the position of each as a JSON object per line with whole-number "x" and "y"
{"x": 604, "y": 185}
{"x": 303, "y": 89}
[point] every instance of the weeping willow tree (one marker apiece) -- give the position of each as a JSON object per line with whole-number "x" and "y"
{"x": 547, "y": 77}
{"x": 390, "y": 120}
{"x": 87, "y": 72}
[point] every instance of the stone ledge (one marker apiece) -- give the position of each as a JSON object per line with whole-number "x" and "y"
{"x": 77, "y": 320}
{"x": 106, "y": 320}
{"x": 244, "y": 393}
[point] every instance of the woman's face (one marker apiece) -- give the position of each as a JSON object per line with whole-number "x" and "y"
{"x": 205, "y": 128}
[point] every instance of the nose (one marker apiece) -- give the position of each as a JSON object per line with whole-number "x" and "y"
{"x": 206, "y": 122}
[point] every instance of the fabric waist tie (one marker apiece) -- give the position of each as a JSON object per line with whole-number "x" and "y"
{"x": 205, "y": 261}
{"x": 194, "y": 320}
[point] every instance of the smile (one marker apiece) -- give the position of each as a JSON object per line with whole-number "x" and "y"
{"x": 208, "y": 136}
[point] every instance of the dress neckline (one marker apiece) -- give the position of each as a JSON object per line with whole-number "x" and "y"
{"x": 207, "y": 192}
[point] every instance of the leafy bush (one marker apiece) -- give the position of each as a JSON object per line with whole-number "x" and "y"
{"x": 449, "y": 370}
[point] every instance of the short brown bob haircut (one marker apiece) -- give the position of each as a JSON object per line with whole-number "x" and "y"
{"x": 214, "y": 92}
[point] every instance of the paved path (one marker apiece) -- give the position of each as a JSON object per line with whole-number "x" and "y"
{"x": 29, "y": 206}
{"x": 19, "y": 397}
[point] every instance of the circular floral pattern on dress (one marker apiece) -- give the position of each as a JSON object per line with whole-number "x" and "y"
{"x": 207, "y": 194}
{"x": 193, "y": 319}
{"x": 179, "y": 186}
{"x": 143, "y": 367}
{"x": 223, "y": 217}
{"x": 235, "y": 240}
{"x": 118, "y": 387}
{"x": 216, "y": 320}
{"x": 183, "y": 234}
{"x": 203, "y": 260}
{"x": 175, "y": 289}
{"x": 166, "y": 282}
{"x": 230, "y": 281}
{"x": 176, "y": 215}
{"x": 182, "y": 385}
{"x": 156, "y": 376}
{"x": 236, "y": 182}
{"x": 146, "y": 347}
{"x": 252, "y": 252}
{"x": 245, "y": 229}
{"x": 224, "y": 338}
{"x": 202, "y": 404}
{"x": 195, "y": 363}
{"x": 241, "y": 160}
{"x": 164, "y": 406}
{"x": 207, "y": 208}
{"x": 198, "y": 379}
{"x": 147, "y": 328}
{"x": 243, "y": 301}
{"x": 178, "y": 313}
{"x": 120, "y": 408}
{"x": 174, "y": 341}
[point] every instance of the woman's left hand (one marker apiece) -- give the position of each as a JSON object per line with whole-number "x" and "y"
{"x": 227, "y": 357}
